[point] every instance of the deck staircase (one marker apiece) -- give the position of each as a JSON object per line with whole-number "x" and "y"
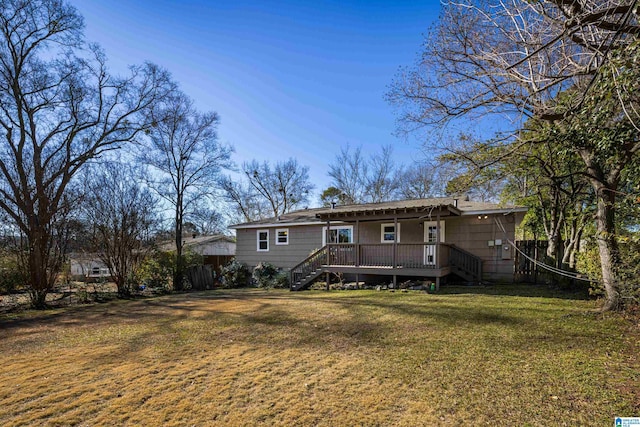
{"x": 303, "y": 274}
{"x": 465, "y": 265}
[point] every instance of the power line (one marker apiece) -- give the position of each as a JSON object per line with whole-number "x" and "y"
{"x": 554, "y": 270}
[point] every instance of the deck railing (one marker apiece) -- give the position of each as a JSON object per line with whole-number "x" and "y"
{"x": 407, "y": 255}
{"x": 466, "y": 261}
{"x": 307, "y": 267}
{"x": 385, "y": 255}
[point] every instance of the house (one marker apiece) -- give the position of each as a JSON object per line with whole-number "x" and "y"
{"x": 88, "y": 267}
{"x": 427, "y": 238}
{"x": 216, "y": 250}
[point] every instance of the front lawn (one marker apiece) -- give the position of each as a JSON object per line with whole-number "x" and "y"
{"x": 497, "y": 356}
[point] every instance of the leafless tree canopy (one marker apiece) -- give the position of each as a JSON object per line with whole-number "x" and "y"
{"x": 268, "y": 191}
{"x": 187, "y": 159}
{"x": 59, "y": 107}
{"x": 121, "y": 214}
{"x": 511, "y": 57}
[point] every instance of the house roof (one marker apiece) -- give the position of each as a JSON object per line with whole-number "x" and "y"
{"x": 418, "y": 206}
{"x": 189, "y": 241}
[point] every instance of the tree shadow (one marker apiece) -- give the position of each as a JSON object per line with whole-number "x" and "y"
{"x": 517, "y": 290}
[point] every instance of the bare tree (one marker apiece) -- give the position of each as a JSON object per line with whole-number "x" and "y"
{"x": 245, "y": 202}
{"x": 361, "y": 179}
{"x": 381, "y": 183}
{"x": 269, "y": 191}
{"x": 417, "y": 181}
{"x": 59, "y": 108}
{"x": 348, "y": 173}
{"x": 549, "y": 60}
{"x": 121, "y": 214}
{"x": 208, "y": 221}
{"x": 187, "y": 158}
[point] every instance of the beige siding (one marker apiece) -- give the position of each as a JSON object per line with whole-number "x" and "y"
{"x": 473, "y": 235}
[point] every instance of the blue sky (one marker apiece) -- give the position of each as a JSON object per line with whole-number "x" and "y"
{"x": 289, "y": 78}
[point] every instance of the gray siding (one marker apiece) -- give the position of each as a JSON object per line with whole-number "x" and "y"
{"x": 467, "y": 232}
{"x": 302, "y": 241}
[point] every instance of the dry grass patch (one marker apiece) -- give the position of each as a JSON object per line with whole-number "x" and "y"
{"x": 316, "y": 358}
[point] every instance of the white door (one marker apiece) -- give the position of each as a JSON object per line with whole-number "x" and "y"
{"x": 430, "y": 236}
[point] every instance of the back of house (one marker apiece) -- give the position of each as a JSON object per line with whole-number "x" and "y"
{"x": 428, "y": 238}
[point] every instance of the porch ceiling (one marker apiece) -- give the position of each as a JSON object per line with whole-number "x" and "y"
{"x": 373, "y": 213}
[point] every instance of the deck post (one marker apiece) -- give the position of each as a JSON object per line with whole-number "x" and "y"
{"x": 328, "y": 240}
{"x": 328, "y": 279}
{"x": 357, "y": 244}
{"x": 437, "y": 251}
{"x": 437, "y": 284}
{"x": 395, "y": 245}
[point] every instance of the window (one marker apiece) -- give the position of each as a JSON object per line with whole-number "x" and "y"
{"x": 430, "y": 231}
{"x": 338, "y": 234}
{"x": 263, "y": 240}
{"x": 388, "y": 233}
{"x": 282, "y": 236}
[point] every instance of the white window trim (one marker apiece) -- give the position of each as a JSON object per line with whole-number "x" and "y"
{"x": 258, "y": 240}
{"x": 335, "y": 227}
{"x": 278, "y": 242}
{"x": 428, "y": 224}
{"x": 389, "y": 224}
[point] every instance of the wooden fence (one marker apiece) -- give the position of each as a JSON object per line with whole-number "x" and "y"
{"x": 525, "y": 269}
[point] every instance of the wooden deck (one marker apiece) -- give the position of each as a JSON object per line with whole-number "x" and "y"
{"x": 434, "y": 260}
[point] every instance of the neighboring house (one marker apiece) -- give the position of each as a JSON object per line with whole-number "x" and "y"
{"x": 427, "y": 238}
{"x": 88, "y": 267}
{"x": 216, "y": 250}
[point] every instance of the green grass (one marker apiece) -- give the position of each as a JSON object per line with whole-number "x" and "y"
{"x": 492, "y": 356}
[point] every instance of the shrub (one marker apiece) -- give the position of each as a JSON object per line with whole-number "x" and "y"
{"x": 628, "y": 274}
{"x": 156, "y": 270}
{"x": 282, "y": 280}
{"x": 267, "y": 275}
{"x": 235, "y": 275}
{"x": 12, "y": 275}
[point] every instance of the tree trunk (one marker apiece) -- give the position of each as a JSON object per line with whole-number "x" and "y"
{"x": 39, "y": 273}
{"x": 605, "y": 187}
{"x": 178, "y": 277}
{"x": 608, "y": 246}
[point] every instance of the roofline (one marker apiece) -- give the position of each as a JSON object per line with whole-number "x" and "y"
{"x": 495, "y": 211}
{"x": 275, "y": 224}
{"x": 320, "y": 222}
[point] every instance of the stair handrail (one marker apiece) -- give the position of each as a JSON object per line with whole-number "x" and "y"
{"x": 472, "y": 264}
{"x": 308, "y": 265}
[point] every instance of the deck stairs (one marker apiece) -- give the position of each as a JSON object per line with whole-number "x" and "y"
{"x": 303, "y": 274}
{"x": 465, "y": 265}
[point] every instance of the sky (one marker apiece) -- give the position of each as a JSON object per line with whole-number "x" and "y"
{"x": 289, "y": 79}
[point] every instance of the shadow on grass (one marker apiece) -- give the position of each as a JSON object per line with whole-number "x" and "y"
{"x": 339, "y": 319}
{"x": 518, "y": 290}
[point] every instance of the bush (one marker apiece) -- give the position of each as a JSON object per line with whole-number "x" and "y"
{"x": 235, "y": 275}
{"x": 628, "y": 274}
{"x": 156, "y": 270}
{"x": 282, "y": 280}
{"x": 267, "y": 275}
{"x": 12, "y": 276}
